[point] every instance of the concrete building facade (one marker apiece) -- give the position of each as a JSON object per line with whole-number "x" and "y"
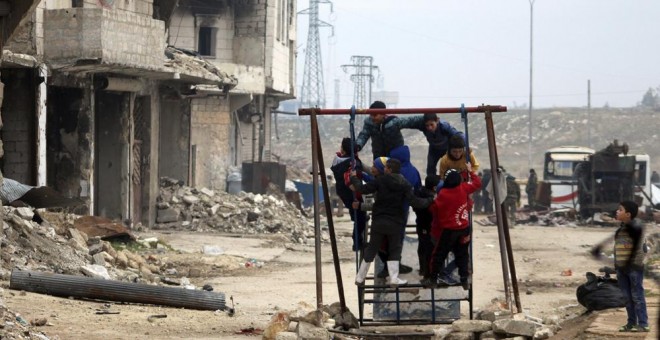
{"x": 106, "y": 108}
{"x": 255, "y": 41}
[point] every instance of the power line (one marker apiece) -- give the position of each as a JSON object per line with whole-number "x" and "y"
{"x": 312, "y": 93}
{"x": 362, "y": 77}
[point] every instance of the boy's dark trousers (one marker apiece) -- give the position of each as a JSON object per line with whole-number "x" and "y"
{"x": 456, "y": 241}
{"x": 359, "y": 226}
{"x": 630, "y": 282}
{"x": 432, "y": 159}
{"x": 424, "y": 249}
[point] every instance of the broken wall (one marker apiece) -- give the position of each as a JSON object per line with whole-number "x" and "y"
{"x": 137, "y": 6}
{"x": 185, "y": 25}
{"x": 114, "y": 37}
{"x": 24, "y": 38}
{"x": 250, "y": 32}
{"x": 111, "y": 132}
{"x": 280, "y": 59}
{"x": 210, "y": 138}
{"x": 19, "y": 125}
{"x": 174, "y": 138}
{"x": 69, "y": 140}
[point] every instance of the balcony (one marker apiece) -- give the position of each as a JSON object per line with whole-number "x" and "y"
{"x": 80, "y": 39}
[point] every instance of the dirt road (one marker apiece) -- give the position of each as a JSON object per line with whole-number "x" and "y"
{"x": 282, "y": 277}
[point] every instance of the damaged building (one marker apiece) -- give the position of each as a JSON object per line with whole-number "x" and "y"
{"x": 104, "y": 97}
{"x": 253, "y": 40}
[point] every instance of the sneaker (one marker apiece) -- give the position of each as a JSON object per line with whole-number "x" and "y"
{"x": 643, "y": 328}
{"x": 628, "y": 328}
{"x": 440, "y": 282}
{"x": 398, "y": 282}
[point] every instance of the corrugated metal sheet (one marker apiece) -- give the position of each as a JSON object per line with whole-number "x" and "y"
{"x": 12, "y": 190}
{"x": 86, "y": 287}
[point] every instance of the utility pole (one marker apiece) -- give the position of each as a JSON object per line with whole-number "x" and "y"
{"x": 312, "y": 93}
{"x": 531, "y": 54}
{"x": 589, "y": 113}
{"x": 362, "y": 68}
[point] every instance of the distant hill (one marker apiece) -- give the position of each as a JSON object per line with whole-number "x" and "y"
{"x": 640, "y": 128}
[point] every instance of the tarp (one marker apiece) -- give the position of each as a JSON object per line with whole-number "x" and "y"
{"x": 307, "y": 192}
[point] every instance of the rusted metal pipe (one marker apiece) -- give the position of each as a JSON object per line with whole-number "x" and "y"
{"x": 109, "y": 290}
{"x": 331, "y": 225}
{"x": 317, "y": 219}
{"x": 512, "y": 265}
{"x": 502, "y": 218}
{"x": 492, "y": 153}
{"x": 441, "y": 110}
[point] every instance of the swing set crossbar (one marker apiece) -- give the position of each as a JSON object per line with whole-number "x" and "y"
{"x": 441, "y": 110}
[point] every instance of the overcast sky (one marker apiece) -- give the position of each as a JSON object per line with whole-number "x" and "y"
{"x": 438, "y": 53}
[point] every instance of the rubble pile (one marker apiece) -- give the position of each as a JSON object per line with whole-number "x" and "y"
{"x": 59, "y": 247}
{"x": 14, "y": 326}
{"x": 493, "y": 322}
{"x": 182, "y": 207}
{"x": 27, "y": 244}
{"x": 53, "y": 245}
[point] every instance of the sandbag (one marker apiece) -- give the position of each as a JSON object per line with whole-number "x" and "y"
{"x": 600, "y": 292}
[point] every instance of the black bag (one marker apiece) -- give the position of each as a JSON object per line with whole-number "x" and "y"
{"x": 600, "y": 292}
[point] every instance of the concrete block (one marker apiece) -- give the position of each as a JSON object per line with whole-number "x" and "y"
{"x": 286, "y": 336}
{"x": 514, "y": 327}
{"x": 476, "y": 326}
{"x": 488, "y": 335}
{"x": 307, "y": 331}
{"x": 494, "y": 315}
{"x": 167, "y": 215}
{"x": 460, "y": 336}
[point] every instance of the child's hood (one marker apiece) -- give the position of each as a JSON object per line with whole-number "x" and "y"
{"x": 402, "y": 153}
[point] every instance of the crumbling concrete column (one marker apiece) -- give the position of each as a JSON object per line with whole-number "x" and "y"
{"x": 86, "y": 135}
{"x": 151, "y": 175}
{"x": 2, "y": 152}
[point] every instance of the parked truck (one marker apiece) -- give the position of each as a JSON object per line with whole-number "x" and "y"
{"x": 591, "y": 182}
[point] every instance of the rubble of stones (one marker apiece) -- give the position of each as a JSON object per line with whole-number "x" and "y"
{"x": 491, "y": 323}
{"x": 184, "y": 208}
{"x": 14, "y": 326}
{"x": 55, "y": 246}
{"x": 61, "y": 248}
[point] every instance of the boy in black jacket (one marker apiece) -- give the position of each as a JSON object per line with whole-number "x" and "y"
{"x": 423, "y": 222}
{"x": 341, "y": 167}
{"x": 392, "y": 190}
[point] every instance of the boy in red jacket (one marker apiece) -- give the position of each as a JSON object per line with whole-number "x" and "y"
{"x": 450, "y": 229}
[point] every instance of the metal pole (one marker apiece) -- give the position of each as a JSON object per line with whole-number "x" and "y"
{"x": 441, "y": 110}
{"x": 371, "y": 63}
{"x": 512, "y": 265}
{"x": 492, "y": 153}
{"x": 531, "y": 49}
{"x": 317, "y": 219}
{"x": 589, "y": 113}
{"x": 331, "y": 225}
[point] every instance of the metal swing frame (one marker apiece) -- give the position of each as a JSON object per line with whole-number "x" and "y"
{"x": 318, "y": 169}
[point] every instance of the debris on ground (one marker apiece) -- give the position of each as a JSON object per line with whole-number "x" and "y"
{"x": 185, "y": 208}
